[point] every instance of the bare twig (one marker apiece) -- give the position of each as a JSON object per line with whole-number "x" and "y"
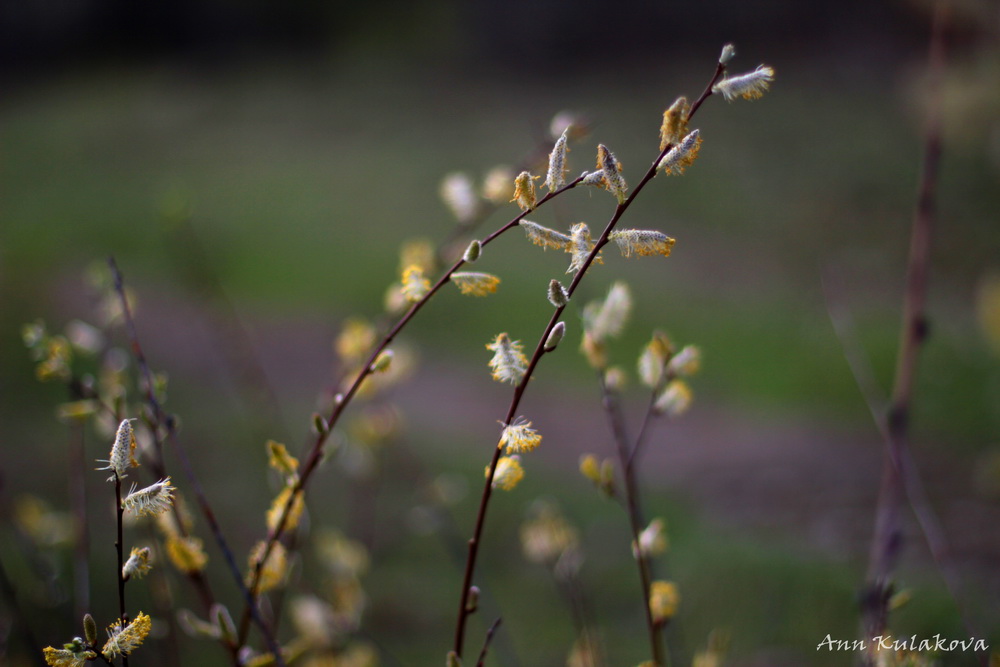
{"x": 887, "y": 541}
{"x": 633, "y": 508}
{"x": 486, "y": 642}
{"x": 120, "y": 548}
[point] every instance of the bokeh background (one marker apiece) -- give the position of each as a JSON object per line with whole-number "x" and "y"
{"x": 254, "y": 167}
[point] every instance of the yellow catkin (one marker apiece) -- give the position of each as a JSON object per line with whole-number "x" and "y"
{"x": 675, "y": 121}
{"x": 277, "y": 509}
{"x": 520, "y": 437}
{"x": 475, "y": 284}
{"x": 663, "y": 600}
{"x": 524, "y": 191}
{"x": 508, "y": 474}
{"x": 186, "y": 553}
{"x": 508, "y": 363}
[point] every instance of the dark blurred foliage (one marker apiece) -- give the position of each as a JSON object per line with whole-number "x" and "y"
{"x": 42, "y": 34}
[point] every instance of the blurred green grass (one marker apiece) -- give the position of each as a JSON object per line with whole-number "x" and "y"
{"x": 302, "y": 179}
{"x": 301, "y": 184}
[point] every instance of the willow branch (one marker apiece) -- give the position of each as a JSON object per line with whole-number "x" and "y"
{"x": 536, "y": 357}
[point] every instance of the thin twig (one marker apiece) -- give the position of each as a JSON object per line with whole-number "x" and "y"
{"x": 120, "y": 548}
{"x": 486, "y": 642}
{"x": 887, "y": 540}
{"x": 916, "y": 493}
{"x": 636, "y": 521}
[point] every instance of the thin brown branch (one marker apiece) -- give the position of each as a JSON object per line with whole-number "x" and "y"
{"x": 120, "y": 549}
{"x": 887, "y": 541}
{"x": 916, "y": 493}
{"x": 486, "y": 642}
{"x": 619, "y": 433}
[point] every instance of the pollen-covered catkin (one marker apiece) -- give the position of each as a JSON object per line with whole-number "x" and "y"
{"x": 683, "y": 155}
{"x": 675, "y": 121}
{"x": 519, "y": 437}
{"x": 508, "y": 363}
{"x": 524, "y": 191}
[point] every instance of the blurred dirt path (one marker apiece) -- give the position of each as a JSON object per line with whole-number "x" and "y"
{"x": 762, "y": 475}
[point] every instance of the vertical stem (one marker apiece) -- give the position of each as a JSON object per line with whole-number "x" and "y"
{"x": 887, "y": 541}
{"x": 120, "y": 546}
{"x": 634, "y": 514}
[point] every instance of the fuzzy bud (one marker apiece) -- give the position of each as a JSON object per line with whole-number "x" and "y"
{"x": 122, "y": 455}
{"x": 319, "y": 424}
{"x": 558, "y": 296}
{"x": 89, "y": 629}
{"x": 382, "y": 361}
{"x": 452, "y": 660}
{"x": 473, "y": 252}
{"x": 472, "y": 602}
{"x": 728, "y": 51}
{"x": 556, "y": 176}
{"x": 224, "y": 622}
{"x": 555, "y": 336}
